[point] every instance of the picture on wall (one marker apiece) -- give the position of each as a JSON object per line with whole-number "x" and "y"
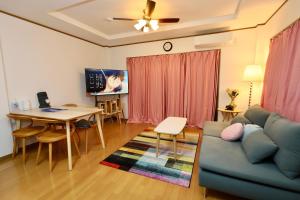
{"x": 106, "y": 81}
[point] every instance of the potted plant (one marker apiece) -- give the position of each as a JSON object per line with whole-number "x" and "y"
{"x": 232, "y": 93}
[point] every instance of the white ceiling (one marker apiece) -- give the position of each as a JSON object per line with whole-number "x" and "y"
{"x": 88, "y": 19}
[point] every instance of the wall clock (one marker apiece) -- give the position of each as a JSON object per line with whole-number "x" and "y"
{"x": 168, "y": 46}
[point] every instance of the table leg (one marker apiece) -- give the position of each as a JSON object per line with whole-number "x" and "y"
{"x": 174, "y": 146}
{"x": 234, "y": 115}
{"x": 100, "y": 129}
{"x": 18, "y": 126}
{"x": 50, "y": 156}
{"x": 227, "y": 117}
{"x": 224, "y": 116}
{"x": 24, "y": 149}
{"x": 15, "y": 147}
{"x": 69, "y": 145}
{"x": 157, "y": 144}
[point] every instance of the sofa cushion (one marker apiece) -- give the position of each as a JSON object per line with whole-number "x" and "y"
{"x": 232, "y": 132}
{"x": 286, "y": 134}
{"x": 228, "y": 158}
{"x": 243, "y": 188}
{"x": 257, "y": 115}
{"x": 268, "y": 125}
{"x": 250, "y": 128}
{"x": 213, "y": 128}
{"x": 258, "y": 146}
{"x": 240, "y": 119}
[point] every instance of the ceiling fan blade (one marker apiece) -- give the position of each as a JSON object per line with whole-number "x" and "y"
{"x": 168, "y": 20}
{"x": 124, "y": 19}
{"x": 149, "y": 8}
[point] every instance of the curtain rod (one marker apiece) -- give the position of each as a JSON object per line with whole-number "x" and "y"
{"x": 289, "y": 26}
{"x": 176, "y": 53}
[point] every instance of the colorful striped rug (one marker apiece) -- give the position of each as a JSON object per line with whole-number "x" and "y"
{"x": 139, "y": 156}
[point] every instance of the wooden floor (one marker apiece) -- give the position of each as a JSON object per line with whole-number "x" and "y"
{"x": 89, "y": 179}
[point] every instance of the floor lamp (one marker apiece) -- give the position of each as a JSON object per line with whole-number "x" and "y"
{"x": 252, "y": 73}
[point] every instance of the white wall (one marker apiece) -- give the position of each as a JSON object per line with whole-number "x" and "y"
{"x": 234, "y": 58}
{"x": 5, "y": 129}
{"x": 36, "y": 59}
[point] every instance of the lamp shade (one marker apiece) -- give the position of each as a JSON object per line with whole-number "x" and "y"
{"x": 253, "y": 73}
{"x": 141, "y": 23}
{"x": 154, "y": 24}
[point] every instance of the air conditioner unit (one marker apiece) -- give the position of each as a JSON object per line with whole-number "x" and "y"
{"x": 214, "y": 40}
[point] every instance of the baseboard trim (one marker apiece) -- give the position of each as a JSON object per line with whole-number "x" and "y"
{"x": 9, "y": 156}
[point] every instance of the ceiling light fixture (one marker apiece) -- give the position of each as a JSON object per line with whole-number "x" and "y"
{"x": 154, "y": 24}
{"x": 146, "y": 29}
{"x": 141, "y": 23}
{"x": 145, "y": 25}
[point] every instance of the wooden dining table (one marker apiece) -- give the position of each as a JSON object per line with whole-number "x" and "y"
{"x": 66, "y": 115}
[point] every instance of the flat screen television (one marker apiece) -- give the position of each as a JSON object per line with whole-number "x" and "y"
{"x": 106, "y": 81}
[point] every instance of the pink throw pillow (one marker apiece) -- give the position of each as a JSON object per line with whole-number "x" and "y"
{"x": 232, "y": 132}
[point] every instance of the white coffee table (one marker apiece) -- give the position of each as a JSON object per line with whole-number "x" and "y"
{"x": 171, "y": 126}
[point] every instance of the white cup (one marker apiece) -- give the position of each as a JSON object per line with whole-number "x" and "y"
{"x": 24, "y": 105}
{"x": 21, "y": 105}
{"x": 27, "y": 105}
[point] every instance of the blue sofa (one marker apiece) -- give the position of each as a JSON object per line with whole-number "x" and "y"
{"x": 223, "y": 166}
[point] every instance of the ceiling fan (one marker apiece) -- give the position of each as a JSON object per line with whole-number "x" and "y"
{"x": 147, "y": 22}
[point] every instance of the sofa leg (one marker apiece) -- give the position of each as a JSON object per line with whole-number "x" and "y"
{"x": 204, "y": 193}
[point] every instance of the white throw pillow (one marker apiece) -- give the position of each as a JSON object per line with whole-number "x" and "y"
{"x": 250, "y": 128}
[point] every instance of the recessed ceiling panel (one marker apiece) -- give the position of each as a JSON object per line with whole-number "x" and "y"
{"x": 95, "y": 13}
{"x": 87, "y": 19}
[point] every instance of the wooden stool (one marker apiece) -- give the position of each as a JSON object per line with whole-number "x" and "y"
{"x": 51, "y": 136}
{"x": 116, "y": 110}
{"x": 111, "y": 108}
{"x": 103, "y": 105}
{"x": 24, "y": 133}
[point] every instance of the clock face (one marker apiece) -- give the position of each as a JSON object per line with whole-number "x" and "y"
{"x": 168, "y": 46}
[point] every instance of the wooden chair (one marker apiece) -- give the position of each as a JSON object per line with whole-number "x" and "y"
{"x": 83, "y": 124}
{"x": 24, "y": 133}
{"x": 52, "y": 135}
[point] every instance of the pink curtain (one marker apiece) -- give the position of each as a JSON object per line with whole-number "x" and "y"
{"x": 201, "y": 91}
{"x": 281, "y": 92}
{"x": 183, "y": 85}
